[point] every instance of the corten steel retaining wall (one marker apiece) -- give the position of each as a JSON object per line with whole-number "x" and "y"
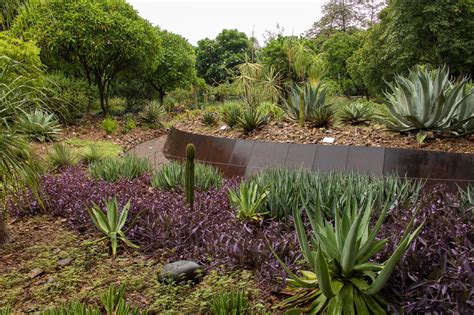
{"x": 237, "y": 157}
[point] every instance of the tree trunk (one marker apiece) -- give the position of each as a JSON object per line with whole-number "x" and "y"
{"x": 4, "y": 233}
{"x": 161, "y": 94}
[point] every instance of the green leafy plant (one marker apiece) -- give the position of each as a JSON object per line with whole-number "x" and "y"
{"x": 61, "y": 156}
{"x": 249, "y": 201}
{"x": 322, "y": 117}
{"x": 74, "y": 308}
{"x": 130, "y": 124}
{"x": 343, "y": 279}
{"x": 230, "y": 303}
{"x": 230, "y": 113}
{"x": 39, "y": 125}
{"x": 153, "y": 115}
{"x": 426, "y": 100}
{"x": 113, "y": 169}
{"x": 316, "y": 111}
{"x": 209, "y": 118}
{"x": 109, "y": 125}
{"x": 111, "y": 223}
{"x": 467, "y": 198}
{"x": 189, "y": 174}
{"x": 251, "y": 119}
{"x": 271, "y": 110}
{"x": 356, "y": 113}
{"x": 6, "y": 310}
{"x": 92, "y": 153}
{"x": 171, "y": 176}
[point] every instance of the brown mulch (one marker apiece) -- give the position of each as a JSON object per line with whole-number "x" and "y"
{"x": 361, "y": 135}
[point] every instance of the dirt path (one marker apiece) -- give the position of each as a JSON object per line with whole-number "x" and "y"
{"x": 153, "y": 150}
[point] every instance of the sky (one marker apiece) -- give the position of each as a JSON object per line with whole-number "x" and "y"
{"x": 197, "y": 19}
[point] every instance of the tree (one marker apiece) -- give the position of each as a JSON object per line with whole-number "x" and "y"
{"x": 8, "y": 11}
{"x": 216, "y": 59}
{"x": 434, "y": 32}
{"x": 176, "y": 66}
{"x": 97, "y": 38}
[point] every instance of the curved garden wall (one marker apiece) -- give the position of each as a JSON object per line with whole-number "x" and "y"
{"x": 237, "y": 157}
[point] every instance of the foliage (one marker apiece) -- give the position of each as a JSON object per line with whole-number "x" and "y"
{"x": 271, "y": 110}
{"x": 61, "y": 156}
{"x": 285, "y": 186}
{"x": 427, "y": 100}
{"x": 161, "y": 220}
{"x": 257, "y": 83}
{"x": 73, "y": 308}
{"x": 230, "y": 113}
{"x": 106, "y": 148}
{"x": 153, "y": 115}
{"x": 171, "y": 176}
{"x": 316, "y": 111}
{"x": 176, "y": 66}
{"x": 273, "y": 54}
{"x": 343, "y": 278}
{"x": 92, "y": 154}
{"x": 304, "y": 60}
{"x": 111, "y": 224}
{"x": 189, "y": 175}
{"x": 112, "y": 39}
{"x": 114, "y": 302}
{"x": 248, "y": 200}
{"x": 130, "y": 124}
{"x": 434, "y": 274}
{"x": 230, "y": 303}
{"x": 251, "y": 119}
{"x": 113, "y": 169}
{"x": 209, "y": 118}
{"x": 39, "y": 125}
{"x": 109, "y": 125}
{"x": 216, "y": 58}
{"x": 467, "y": 199}
{"x": 356, "y": 113}
{"x": 6, "y": 310}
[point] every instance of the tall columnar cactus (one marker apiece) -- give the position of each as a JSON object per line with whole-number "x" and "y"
{"x": 189, "y": 174}
{"x": 302, "y": 117}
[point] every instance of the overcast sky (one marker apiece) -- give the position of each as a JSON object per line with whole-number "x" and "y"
{"x": 197, "y": 19}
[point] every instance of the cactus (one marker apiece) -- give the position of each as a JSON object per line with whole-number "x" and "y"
{"x": 189, "y": 174}
{"x": 302, "y": 117}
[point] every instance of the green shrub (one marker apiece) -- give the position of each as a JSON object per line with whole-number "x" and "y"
{"x": 109, "y": 125}
{"x": 322, "y": 116}
{"x": 230, "y": 303}
{"x": 209, "y": 118}
{"x": 73, "y": 308}
{"x": 171, "y": 176}
{"x": 91, "y": 154}
{"x": 316, "y": 111}
{"x": 285, "y": 186}
{"x": 130, "y": 124}
{"x": 251, "y": 119}
{"x": 427, "y": 100}
{"x": 61, "y": 156}
{"x": 249, "y": 200}
{"x": 230, "y": 113}
{"x": 356, "y": 113}
{"x": 467, "y": 199}
{"x": 153, "y": 115}
{"x": 113, "y": 169}
{"x": 271, "y": 110}
{"x": 39, "y": 125}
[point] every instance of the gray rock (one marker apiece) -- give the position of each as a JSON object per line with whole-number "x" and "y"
{"x": 35, "y": 273}
{"x": 181, "y": 270}
{"x": 64, "y": 262}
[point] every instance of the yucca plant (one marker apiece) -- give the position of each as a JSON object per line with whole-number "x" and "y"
{"x": 343, "y": 279}
{"x": 209, "y": 118}
{"x": 230, "y": 303}
{"x": 113, "y": 169}
{"x": 251, "y": 119}
{"x": 153, "y": 115}
{"x": 61, "y": 156}
{"x": 111, "y": 223}
{"x": 356, "y": 113}
{"x": 427, "y": 100}
{"x": 39, "y": 125}
{"x": 230, "y": 113}
{"x": 249, "y": 201}
{"x": 91, "y": 154}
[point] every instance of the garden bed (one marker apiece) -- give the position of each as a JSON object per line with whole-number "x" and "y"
{"x": 362, "y": 135}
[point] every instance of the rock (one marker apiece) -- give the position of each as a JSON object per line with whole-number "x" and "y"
{"x": 181, "y": 270}
{"x": 64, "y": 262}
{"x": 35, "y": 273}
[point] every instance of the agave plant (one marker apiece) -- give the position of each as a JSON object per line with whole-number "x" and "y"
{"x": 356, "y": 113}
{"x": 343, "y": 277}
{"x": 251, "y": 119}
{"x": 249, "y": 200}
{"x": 39, "y": 125}
{"x": 153, "y": 115}
{"x": 427, "y": 100}
{"x": 231, "y": 113}
{"x": 111, "y": 223}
